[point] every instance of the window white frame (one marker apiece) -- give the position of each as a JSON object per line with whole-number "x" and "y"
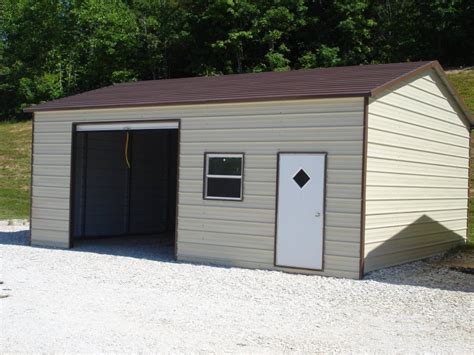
{"x": 208, "y": 156}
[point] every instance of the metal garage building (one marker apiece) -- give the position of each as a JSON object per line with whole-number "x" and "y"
{"x": 334, "y": 171}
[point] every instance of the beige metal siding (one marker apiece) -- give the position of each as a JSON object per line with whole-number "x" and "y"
{"x": 417, "y": 173}
{"x": 230, "y": 232}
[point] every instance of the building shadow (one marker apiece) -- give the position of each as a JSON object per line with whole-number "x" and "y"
{"x": 155, "y": 247}
{"x": 15, "y": 238}
{"x": 394, "y": 259}
{"x": 141, "y": 247}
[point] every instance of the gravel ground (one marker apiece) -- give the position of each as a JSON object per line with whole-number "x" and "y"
{"x": 107, "y": 298}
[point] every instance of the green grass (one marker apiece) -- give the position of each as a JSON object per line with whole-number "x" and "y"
{"x": 15, "y": 158}
{"x": 464, "y": 84}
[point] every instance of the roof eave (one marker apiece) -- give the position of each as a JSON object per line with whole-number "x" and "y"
{"x": 38, "y": 108}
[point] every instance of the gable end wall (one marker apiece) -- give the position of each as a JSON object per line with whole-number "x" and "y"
{"x": 417, "y": 173}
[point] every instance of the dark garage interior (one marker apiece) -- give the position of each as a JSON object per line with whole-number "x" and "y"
{"x": 125, "y": 186}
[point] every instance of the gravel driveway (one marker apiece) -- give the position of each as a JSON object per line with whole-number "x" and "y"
{"x": 105, "y": 298}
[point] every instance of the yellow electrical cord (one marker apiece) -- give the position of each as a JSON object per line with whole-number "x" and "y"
{"x": 126, "y": 151}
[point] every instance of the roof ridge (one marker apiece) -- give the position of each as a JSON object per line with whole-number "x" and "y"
{"x": 197, "y": 77}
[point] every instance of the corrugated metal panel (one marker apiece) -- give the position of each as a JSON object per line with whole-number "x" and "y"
{"x": 399, "y": 114}
{"x": 53, "y": 203}
{"x": 231, "y": 111}
{"x": 405, "y": 256}
{"x": 382, "y": 165}
{"x": 423, "y": 225}
{"x": 59, "y": 161}
{"x": 272, "y": 134}
{"x": 228, "y": 239}
{"x": 417, "y": 174}
{"x": 382, "y": 192}
{"x": 386, "y": 124}
{"x": 251, "y": 201}
{"x": 258, "y": 184}
{"x": 210, "y": 251}
{"x": 437, "y": 101}
{"x": 227, "y": 213}
{"x": 261, "y": 148}
{"x": 51, "y": 180}
{"x": 401, "y": 153}
{"x": 53, "y": 192}
{"x": 402, "y": 179}
{"x": 328, "y": 82}
{"x": 50, "y": 224}
{"x": 421, "y": 107}
{"x": 407, "y": 218}
{"x": 48, "y": 213}
{"x": 342, "y": 118}
{"x": 49, "y": 238}
{"x": 227, "y": 226}
{"x": 349, "y": 163}
{"x": 44, "y": 171}
{"x": 227, "y": 231}
{"x": 262, "y": 258}
{"x": 424, "y": 143}
{"x": 257, "y": 177}
{"x": 343, "y": 234}
{"x": 427, "y": 205}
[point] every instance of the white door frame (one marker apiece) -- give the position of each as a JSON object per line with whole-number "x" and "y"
{"x": 325, "y": 154}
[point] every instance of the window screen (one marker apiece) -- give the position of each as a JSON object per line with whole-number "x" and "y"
{"x": 223, "y": 176}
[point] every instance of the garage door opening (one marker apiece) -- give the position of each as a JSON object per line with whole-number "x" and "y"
{"x": 125, "y": 185}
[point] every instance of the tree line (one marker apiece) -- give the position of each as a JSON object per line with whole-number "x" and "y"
{"x": 54, "y": 48}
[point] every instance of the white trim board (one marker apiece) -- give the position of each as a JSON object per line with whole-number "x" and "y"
{"x": 125, "y": 126}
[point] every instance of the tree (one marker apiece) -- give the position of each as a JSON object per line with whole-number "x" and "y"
{"x": 105, "y": 38}
{"x": 162, "y": 29}
{"x": 31, "y": 63}
{"x": 53, "y": 48}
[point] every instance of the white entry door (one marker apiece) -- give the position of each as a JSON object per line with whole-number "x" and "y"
{"x": 300, "y": 217}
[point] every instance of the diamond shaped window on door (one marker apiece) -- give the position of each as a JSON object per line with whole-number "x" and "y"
{"x": 301, "y": 178}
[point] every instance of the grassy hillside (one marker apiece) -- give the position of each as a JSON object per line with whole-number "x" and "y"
{"x": 15, "y": 157}
{"x": 464, "y": 83}
{"x": 15, "y": 145}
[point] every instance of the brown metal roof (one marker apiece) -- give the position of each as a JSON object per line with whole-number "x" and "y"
{"x": 348, "y": 81}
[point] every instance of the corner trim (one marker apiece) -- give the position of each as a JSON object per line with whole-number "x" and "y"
{"x": 363, "y": 190}
{"x": 31, "y": 174}
{"x": 469, "y": 184}
{"x": 72, "y": 183}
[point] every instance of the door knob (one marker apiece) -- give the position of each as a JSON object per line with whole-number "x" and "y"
{"x": 318, "y": 214}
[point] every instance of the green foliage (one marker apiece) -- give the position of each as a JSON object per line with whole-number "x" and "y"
{"x": 277, "y": 61}
{"x": 104, "y": 42}
{"x": 54, "y": 48}
{"x": 162, "y": 29}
